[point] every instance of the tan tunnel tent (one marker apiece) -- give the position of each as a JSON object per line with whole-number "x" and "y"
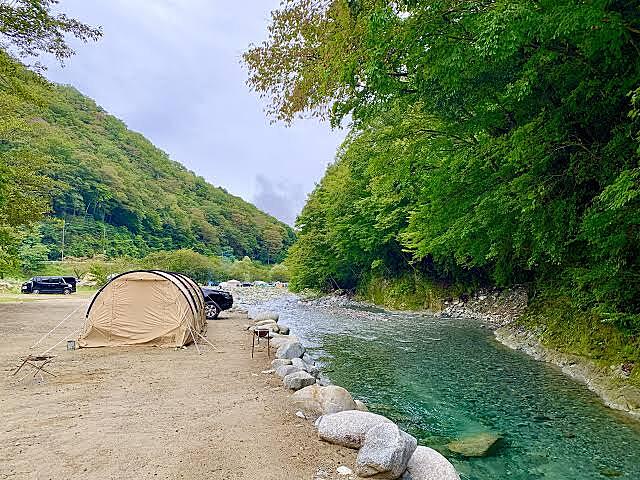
{"x": 145, "y": 307}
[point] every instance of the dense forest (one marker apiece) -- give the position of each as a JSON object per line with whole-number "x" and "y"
{"x": 491, "y": 143}
{"x": 67, "y": 164}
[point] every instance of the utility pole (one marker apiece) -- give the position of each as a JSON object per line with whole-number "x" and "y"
{"x": 104, "y": 234}
{"x": 63, "y": 229}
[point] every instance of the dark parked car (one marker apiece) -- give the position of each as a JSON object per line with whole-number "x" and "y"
{"x": 215, "y": 301}
{"x": 36, "y": 285}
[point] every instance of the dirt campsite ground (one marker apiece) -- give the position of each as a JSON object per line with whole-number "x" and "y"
{"x": 146, "y": 412}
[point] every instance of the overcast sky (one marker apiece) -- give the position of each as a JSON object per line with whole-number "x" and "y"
{"x": 171, "y": 70}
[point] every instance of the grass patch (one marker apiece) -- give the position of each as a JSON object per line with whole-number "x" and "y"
{"x": 408, "y": 292}
{"x": 569, "y": 329}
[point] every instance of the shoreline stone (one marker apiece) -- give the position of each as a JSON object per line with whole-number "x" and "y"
{"x": 298, "y": 380}
{"x": 613, "y": 392}
{"x": 317, "y": 400}
{"x": 290, "y": 350}
{"x": 385, "y": 452}
{"x": 284, "y": 370}
{"x": 427, "y": 464}
{"x": 348, "y": 428}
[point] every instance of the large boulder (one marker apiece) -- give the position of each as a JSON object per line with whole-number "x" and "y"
{"x": 266, "y": 316}
{"x": 298, "y": 362}
{"x": 427, "y": 464}
{"x": 361, "y": 406}
{"x": 348, "y": 428}
{"x": 478, "y": 445}
{"x": 284, "y": 330}
{"x": 284, "y": 370}
{"x": 272, "y": 327}
{"x": 290, "y": 350}
{"x": 298, "y": 380}
{"x": 385, "y": 452}
{"x": 278, "y": 362}
{"x": 315, "y": 400}
{"x": 264, "y": 322}
{"x": 278, "y": 340}
{"x": 312, "y": 369}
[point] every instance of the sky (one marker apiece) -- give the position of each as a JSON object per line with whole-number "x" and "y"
{"x": 171, "y": 70}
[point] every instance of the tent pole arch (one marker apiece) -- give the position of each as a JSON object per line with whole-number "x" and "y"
{"x": 145, "y": 307}
{"x": 155, "y": 272}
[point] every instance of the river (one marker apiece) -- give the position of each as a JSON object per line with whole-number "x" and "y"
{"x": 442, "y": 379}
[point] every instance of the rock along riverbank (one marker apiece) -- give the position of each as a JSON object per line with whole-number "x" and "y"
{"x": 384, "y": 450}
{"x": 499, "y": 311}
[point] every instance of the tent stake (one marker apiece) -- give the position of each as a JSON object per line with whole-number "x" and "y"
{"x": 195, "y": 342}
{"x": 207, "y": 341}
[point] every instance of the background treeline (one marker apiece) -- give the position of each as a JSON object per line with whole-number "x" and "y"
{"x": 63, "y": 156}
{"x": 201, "y": 268}
{"x": 491, "y": 143}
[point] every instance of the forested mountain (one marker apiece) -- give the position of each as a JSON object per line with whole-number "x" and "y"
{"x": 491, "y": 143}
{"x": 64, "y": 156}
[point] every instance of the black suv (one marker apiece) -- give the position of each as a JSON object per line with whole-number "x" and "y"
{"x": 65, "y": 285}
{"x": 215, "y": 301}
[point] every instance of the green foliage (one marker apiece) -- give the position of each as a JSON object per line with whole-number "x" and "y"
{"x": 30, "y": 28}
{"x": 562, "y": 325}
{"x": 491, "y": 142}
{"x": 32, "y": 252}
{"x": 407, "y": 292}
{"x": 118, "y": 194}
{"x": 197, "y": 266}
{"x": 279, "y": 273}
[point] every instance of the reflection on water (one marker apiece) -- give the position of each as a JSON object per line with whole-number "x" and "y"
{"x": 441, "y": 379}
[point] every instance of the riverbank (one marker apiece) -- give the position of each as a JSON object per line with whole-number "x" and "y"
{"x": 444, "y": 379}
{"x": 609, "y": 383}
{"x": 142, "y": 412}
{"x": 501, "y": 310}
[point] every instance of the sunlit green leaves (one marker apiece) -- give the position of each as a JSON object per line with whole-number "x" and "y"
{"x": 497, "y": 140}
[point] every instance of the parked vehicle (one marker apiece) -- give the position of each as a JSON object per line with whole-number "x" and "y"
{"x": 65, "y": 285}
{"x": 215, "y": 301}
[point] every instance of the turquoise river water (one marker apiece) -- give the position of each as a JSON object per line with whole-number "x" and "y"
{"x": 442, "y": 379}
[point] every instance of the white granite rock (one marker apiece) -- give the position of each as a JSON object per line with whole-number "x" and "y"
{"x": 348, "y": 428}
{"x": 385, "y": 452}
{"x": 316, "y": 400}
{"x": 298, "y": 380}
{"x": 284, "y": 370}
{"x": 290, "y": 350}
{"x": 427, "y": 464}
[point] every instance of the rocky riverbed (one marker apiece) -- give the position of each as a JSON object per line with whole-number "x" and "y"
{"x": 384, "y": 450}
{"x": 447, "y": 383}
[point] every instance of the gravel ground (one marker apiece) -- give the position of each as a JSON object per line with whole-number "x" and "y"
{"x": 143, "y": 412}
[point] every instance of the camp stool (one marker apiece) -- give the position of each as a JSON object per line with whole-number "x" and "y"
{"x": 259, "y": 333}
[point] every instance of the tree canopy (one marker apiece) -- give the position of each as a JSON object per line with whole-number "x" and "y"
{"x": 29, "y": 28}
{"x": 492, "y": 141}
{"x": 63, "y": 155}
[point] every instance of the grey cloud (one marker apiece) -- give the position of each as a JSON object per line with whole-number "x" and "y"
{"x": 280, "y": 198}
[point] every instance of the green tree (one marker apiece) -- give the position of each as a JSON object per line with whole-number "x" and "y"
{"x": 30, "y": 28}
{"x": 32, "y": 252}
{"x": 490, "y": 141}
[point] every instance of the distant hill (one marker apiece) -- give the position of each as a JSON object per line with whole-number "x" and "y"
{"x": 117, "y": 192}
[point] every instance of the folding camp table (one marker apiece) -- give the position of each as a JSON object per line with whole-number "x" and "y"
{"x": 259, "y": 333}
{"x": 38, "y": 362}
